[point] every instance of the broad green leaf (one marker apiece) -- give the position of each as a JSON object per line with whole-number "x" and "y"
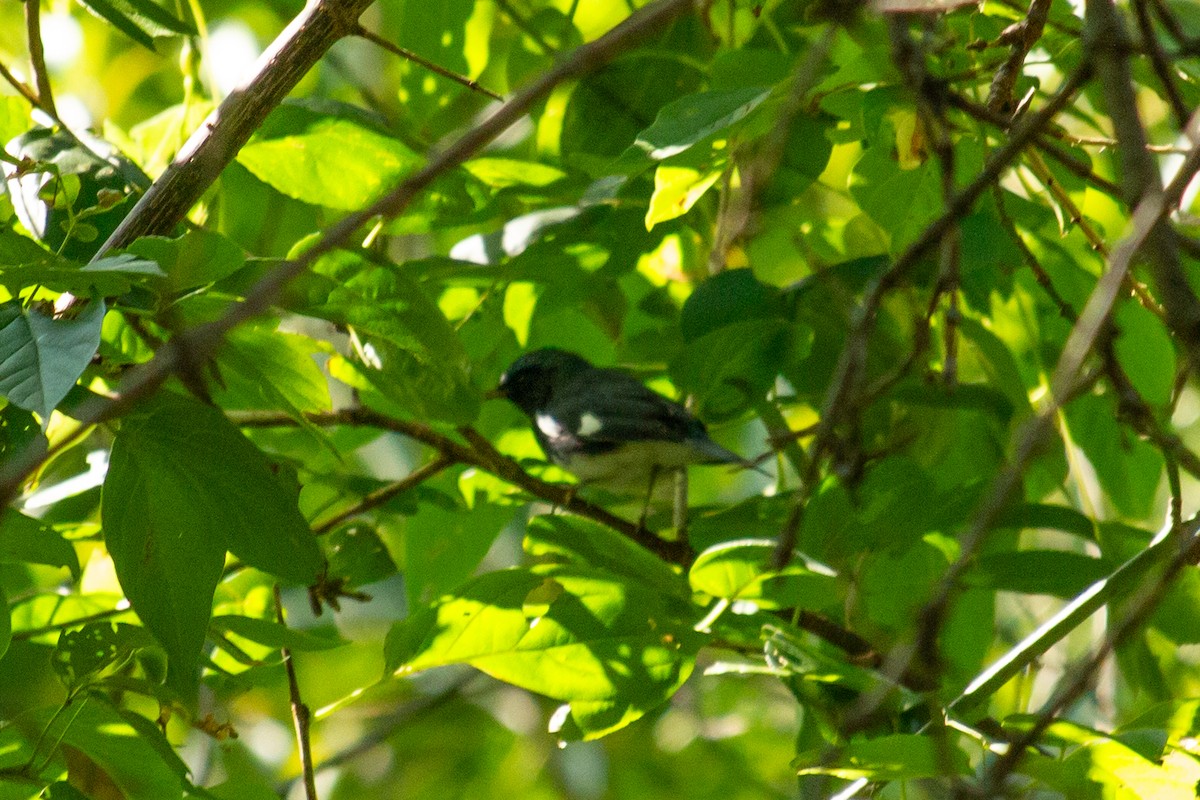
{"x": 1146, "y": 352}
{"x": 1101, "y": 767}
{"x": 140, "y": 20}
{"x": 676, "y": 190}
{"x": 580, "y": 541}
{"x": 1129, "y": 469}
{"x": 113, "y": 275}
{"x": 331, "y": 162}
{"x": 565, "y": 632}
{"x": 41, "y": 358}
{"x": 694, "y": 117}
{"x": 97, "y": 651}
{"x": 443, "y": 546}
{"x": 1052, "y": 517}
{"x": 1052, "y": 572}
{"x": 266, "y": 369}
{"x": 196, "y": 258}
{"x": 729, "y": 297}
{"x": 739, "y": 570}
{"x": 732, "y": 367}
{"x": 378, "y": 299}
{"x": 184, "y": 486}
{"x": 24, "y": 539}
{"x": 272, "y": 634}
{"x": 503, "y": 173}
{"x": 122, "y": 750}
{"x": 357, "y": 555}
{"x": 886, "y": 758}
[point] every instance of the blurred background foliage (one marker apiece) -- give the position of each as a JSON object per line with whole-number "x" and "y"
{"x": 677, "y": 213}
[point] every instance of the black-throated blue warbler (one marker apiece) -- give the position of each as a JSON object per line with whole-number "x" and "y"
{"x": 602, "y": 425}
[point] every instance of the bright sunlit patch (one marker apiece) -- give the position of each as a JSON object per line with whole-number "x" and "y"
{"x": 62, "y": 40}
{"x": 232, "y": 51}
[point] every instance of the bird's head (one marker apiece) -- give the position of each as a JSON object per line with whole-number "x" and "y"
{"x": 530, "y": 381}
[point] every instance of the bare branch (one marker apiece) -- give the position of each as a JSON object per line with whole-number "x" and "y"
{"x": 404, "y": 52}
{"x": 381, "y": 496}
{"x": 1022, "y": 36}
{"x": 21, "y": 88}
{"x": 37, "y": 59}
{"x": 219, "y": 138}
{"x": 301, "y": 716}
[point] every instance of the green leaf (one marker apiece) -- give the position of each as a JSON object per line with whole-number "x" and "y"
{"x": 272, "y": 634}
{"x": 1129, "y": 469}
{"x": 572, "y": 634}
{"x": 443, "y": 546}
{"x": 330, "y": 162}
{"x": 266, "y": 369}
{"x": 24, "y": 539}
{"x": 357, "y": 555}
{"x": 41, "y": 358}
{"x": 183, "y": 486}
{"x": 676, "y": 190}
{"x": 1146, "y": 352}
{"x": 113, "y": 275}
{"x": 123, "y": 751}
{"x": 886, "y": 758}
{"x": 1052, "y": 572}
{"x": 504, "y": 173}
{"x": 97, "y": 651}
{"x": 580, "y": 541}
{"x": 1101, "y": 767}
{"x": 694, "y": 117}
{"x": 738, "y": 570}
{"x": 140, "y": 20}
{"x": 197, "y": 258}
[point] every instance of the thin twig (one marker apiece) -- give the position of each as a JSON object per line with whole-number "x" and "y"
{"x": 301, "y": 716}
{"x": 37, "y": 59}
{"x": 21, "y": 88}
{"x": 404, "y": 52}
{"x": 382, "y": 495}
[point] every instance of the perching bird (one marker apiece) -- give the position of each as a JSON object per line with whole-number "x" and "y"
{"x": 603, "y": 425}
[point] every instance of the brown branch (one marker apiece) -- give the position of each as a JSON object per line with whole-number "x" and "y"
{"x": 219, "y": 138}
{"x": 382, "y": 495}
{"x": 301, "y": 716}
{"x": 404, "y": 52}
{"x": 200, "y": 342}
{"x": 1022, "y": 36}
{"x": 1068, "y": 161}
{"x": 37, "y": 58}
{"x": 481, "y": 454}
{"x": 21, "y": 88}
{"x": 837, "y": 403}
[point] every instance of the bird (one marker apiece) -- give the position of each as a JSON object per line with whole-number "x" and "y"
{"x": 602, "y": 424}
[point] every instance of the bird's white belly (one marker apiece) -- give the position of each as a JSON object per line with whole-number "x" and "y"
{"x": 630, "y": 464}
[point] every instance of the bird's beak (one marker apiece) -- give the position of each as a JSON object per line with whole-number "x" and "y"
{"x": 493, "y": 394}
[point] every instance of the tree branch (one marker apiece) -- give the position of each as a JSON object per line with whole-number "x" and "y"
{"x": 1023, "y": 36}
{"x": 301, "y": 716}
{"x": 37, "y": 58}
{"x": 219, "y": 138}
{"x": 404, "y": 52}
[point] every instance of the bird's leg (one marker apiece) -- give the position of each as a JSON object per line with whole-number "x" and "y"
{"x": 649, "y": 497}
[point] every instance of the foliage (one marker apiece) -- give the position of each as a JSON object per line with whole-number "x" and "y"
{"x": 923, "y": 260}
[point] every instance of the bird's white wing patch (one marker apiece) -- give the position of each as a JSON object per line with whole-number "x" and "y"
{"x": 589, "y": 424}
{"x": 549, "y": 426}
